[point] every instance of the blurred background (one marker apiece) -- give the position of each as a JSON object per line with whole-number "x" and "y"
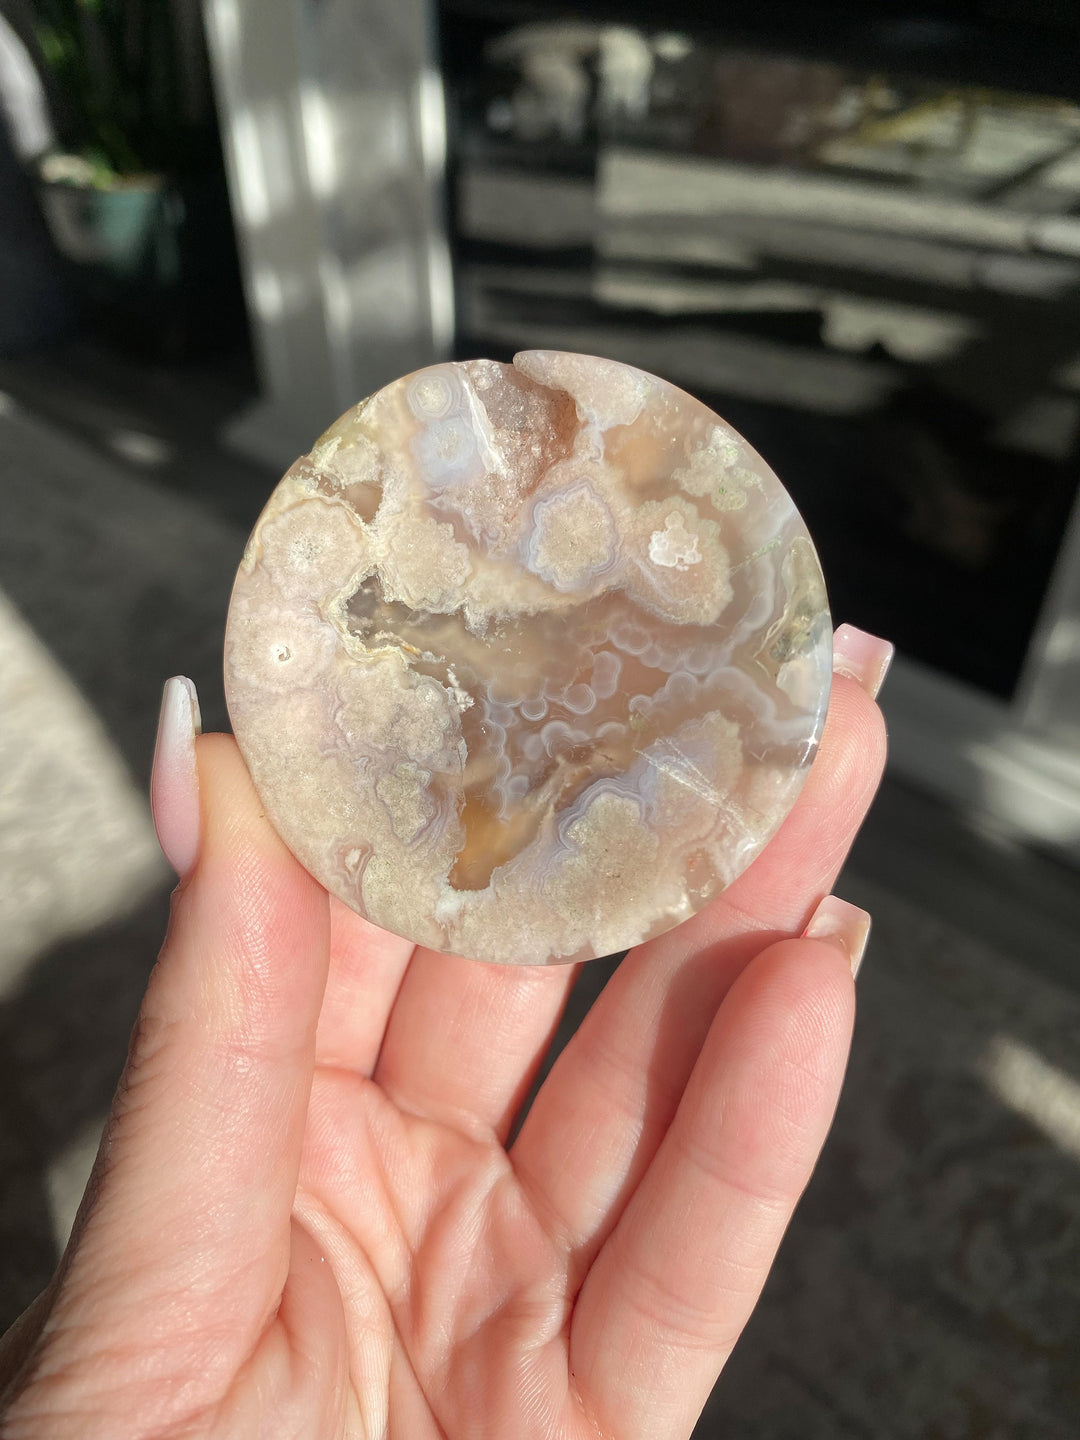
{"x": 855, "y": 232}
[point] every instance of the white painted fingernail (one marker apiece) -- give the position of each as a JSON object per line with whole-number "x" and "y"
{"x": 174, "y": 781}
{"x": 862, "y": 657}
{"x": 843, "y": 925}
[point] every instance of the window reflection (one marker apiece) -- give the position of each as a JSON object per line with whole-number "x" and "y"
{"x": 874, "y": 274}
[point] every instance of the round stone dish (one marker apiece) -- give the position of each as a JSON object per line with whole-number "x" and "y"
{"x": 528, "y": 662}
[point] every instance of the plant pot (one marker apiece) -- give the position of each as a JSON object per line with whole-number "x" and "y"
{"x": 118, "y": 230}
{"x": 151, "y": 259}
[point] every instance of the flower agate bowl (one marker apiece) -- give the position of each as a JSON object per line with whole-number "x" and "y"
{"x": 528, "y": 662}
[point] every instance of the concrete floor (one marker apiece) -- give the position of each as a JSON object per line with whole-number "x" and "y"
{"x": 930, "y": 1285}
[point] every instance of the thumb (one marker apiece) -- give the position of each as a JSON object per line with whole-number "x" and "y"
{"x": 183, "y": 1236}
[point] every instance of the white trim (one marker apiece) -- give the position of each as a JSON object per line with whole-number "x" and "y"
{"x": 1048, "y": 696}
{"x": 333, "y": 117}
{"x": 967, "y": 748}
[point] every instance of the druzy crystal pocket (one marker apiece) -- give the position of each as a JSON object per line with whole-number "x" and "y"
{"x": 528, "y": 661}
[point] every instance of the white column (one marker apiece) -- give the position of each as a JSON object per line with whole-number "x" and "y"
{"x": 333, "y": 124}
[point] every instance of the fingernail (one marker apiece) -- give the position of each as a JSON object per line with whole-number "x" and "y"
{"x": 843, "y": 925}
{"x": 174, "y": 781}
{"x": 862, "y": 657}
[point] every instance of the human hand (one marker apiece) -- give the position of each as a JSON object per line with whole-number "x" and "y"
{"x": 304, "y": 1219}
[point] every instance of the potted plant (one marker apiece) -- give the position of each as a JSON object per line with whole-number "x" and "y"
{"x": 133, "y": 192}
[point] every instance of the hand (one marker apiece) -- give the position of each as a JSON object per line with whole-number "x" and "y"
{"x": 304, "y": 1220}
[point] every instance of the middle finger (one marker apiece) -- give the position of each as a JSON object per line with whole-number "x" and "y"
{"x": 466, "y": 1038}
{"x": 367, "y": 966}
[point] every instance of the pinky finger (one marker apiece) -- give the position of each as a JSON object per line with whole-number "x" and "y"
{"x": 675, "y": 1284}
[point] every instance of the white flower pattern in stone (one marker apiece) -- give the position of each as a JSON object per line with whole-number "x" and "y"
{"x": 313, "y": 549}
{"x": 675, "y": 545}
{"x": 285, "y": 648}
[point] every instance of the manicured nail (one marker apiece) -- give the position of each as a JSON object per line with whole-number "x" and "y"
{"x": 174, "y": 782}
{"x": 842, "y": 925}
{"x": 862, "y": 657}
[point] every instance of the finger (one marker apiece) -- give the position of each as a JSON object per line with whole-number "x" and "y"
{"x": 367, "y": 965}
{"x": 304, "y": 1379}
{"x": 675, "y": 1283}
{"x": 802, "y": 861}
{"x": 299, "y": 1373}
{"x": 602, "y": 1112}
{"x": 183, "y": 1241}
{"x": 466, "y": 1038}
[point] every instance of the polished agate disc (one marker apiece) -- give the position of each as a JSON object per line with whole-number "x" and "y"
{"x": 528, "y": 661}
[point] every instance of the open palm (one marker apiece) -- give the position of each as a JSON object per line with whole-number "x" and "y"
{"x": 305, "y": 1220}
